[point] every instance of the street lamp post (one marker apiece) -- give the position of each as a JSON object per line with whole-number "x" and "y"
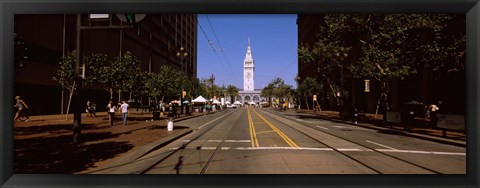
{"x": 182, "y": 54}
{"x": 212, "y": 79}
{"x": 341, "y": 95}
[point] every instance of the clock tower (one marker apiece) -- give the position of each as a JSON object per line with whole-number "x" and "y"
{"x": 248, "y": 70}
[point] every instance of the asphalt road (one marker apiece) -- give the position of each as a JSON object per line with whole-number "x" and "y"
{"x": 263, "y": 141}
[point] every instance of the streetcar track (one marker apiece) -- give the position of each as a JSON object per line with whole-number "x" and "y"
{"x": 354, "y": 142}
{"x": 342, "y": 151}
{"x": 218, "y": 148}
{"x": 184, "y": 145}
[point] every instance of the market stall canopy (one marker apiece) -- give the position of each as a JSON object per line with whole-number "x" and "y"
{"x": 237, "y": 102}
{"x": 251, "y": 102}
{"x": 228, "y": 102}
{"x": 215, "y": 101}
{"x": 199, "y": 99}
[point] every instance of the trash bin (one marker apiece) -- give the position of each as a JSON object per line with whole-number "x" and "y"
{"x": 187, "y": 110}
{"x": 170, "y": 124}
{"x": 409, "y": 111}
{"x": 156, "y": 115}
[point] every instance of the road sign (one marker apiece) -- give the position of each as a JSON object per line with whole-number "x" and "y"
{"x": 314, "y": 97}
{"x": 367, "y": 85}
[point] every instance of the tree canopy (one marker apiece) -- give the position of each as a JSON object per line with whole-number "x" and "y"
{"x": 384, "y": 47}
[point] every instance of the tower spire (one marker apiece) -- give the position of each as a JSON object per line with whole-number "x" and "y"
{"x": 248, "y": 71}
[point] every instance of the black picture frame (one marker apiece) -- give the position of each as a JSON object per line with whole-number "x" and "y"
{"x": 8, "y": 8}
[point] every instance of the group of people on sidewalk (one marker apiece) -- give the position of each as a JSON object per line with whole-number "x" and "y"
{"x": 91, "y": 108}
{"x": 111, "y": 111}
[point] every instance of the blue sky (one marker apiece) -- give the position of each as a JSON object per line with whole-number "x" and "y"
{"x": 273, "y": 39}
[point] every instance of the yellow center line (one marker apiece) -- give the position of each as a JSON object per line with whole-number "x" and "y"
{"x": 263, "y": 132}
{"x": 280, "y": 133}
{"x": 253, "y": 134}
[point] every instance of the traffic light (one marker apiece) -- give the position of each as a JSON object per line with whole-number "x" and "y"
{"x": 130, "y": 18}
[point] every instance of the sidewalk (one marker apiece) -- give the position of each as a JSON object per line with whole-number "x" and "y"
{"x": 421, "y": 130}
{"x": 44, "y": 144}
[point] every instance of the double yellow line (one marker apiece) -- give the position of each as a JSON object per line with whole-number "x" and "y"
{"x": 253, "y": 134}
{"x": 280, "y": 133}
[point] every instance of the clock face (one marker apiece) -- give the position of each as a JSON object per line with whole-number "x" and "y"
{"x": 249, "y": 75}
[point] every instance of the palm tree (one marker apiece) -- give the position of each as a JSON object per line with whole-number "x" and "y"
{"x": 232, "y": 91}
{"x": 267, "y": 91}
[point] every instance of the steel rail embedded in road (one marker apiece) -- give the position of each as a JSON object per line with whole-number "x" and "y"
{"x": 183, "y": 146}
{"x": 343, "y": 152}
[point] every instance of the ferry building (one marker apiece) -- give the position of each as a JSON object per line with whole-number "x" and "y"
{"x": 249, "y": 94}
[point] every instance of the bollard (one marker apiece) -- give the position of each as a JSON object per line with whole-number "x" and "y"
{"x": 170, "y": 124}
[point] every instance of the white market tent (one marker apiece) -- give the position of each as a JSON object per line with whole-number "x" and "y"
{"x": 216, "y": 101}
{"x": 251, "y": 102}
{"x": 199, "y": 99}
{"x": 237, "y": 103}
{"x": 227, "y": 102}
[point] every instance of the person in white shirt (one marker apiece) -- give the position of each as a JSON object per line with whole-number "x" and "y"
{"x": 111, "y": 111}
{"x": 433, "y": 108}
{"x": 124, "y": 108}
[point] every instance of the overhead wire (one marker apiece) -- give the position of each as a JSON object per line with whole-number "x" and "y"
{"x": 288, "y": 66}
{"x": 221, "y": 48}
{"x": 215, "y": 52}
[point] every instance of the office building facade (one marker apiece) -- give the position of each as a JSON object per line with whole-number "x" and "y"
{"x": 155, "y": 40}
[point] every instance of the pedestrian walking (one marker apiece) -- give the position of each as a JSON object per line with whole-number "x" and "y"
{"x": 88, "y": 108}
{"x": 124, "y": 108}
{"x": 111, "y": 112}
{"x": 93, "y": 109}
{"x": 21, "y": 110}
{"x": 433, "y": 109}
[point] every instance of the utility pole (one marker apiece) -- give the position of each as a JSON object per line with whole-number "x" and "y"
{"x": 212, "y": 81}
{"x": 182, "y": 55}
{"x": 80, "y": 68}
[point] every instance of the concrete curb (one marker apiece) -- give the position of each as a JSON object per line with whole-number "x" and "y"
{"x": 136, "y": 154}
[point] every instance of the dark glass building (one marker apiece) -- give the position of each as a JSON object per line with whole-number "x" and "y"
{"x": 155, "y": 40}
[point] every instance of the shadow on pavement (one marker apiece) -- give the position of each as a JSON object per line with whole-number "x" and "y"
{"x": 57, "y": 154}
{"x": 165, "y": 127}
{"x": 392, "y": 132}
{"x": 55, "y": 128}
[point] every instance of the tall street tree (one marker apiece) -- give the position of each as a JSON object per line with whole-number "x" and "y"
{"x": 232, "y": 91}
{"x": 20, "y": 53}
{"x": 307, "y": 89}
{"x": 66, "y": 72}
{"x": 383, "y": 47}
{"x": 122, "y": 75}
